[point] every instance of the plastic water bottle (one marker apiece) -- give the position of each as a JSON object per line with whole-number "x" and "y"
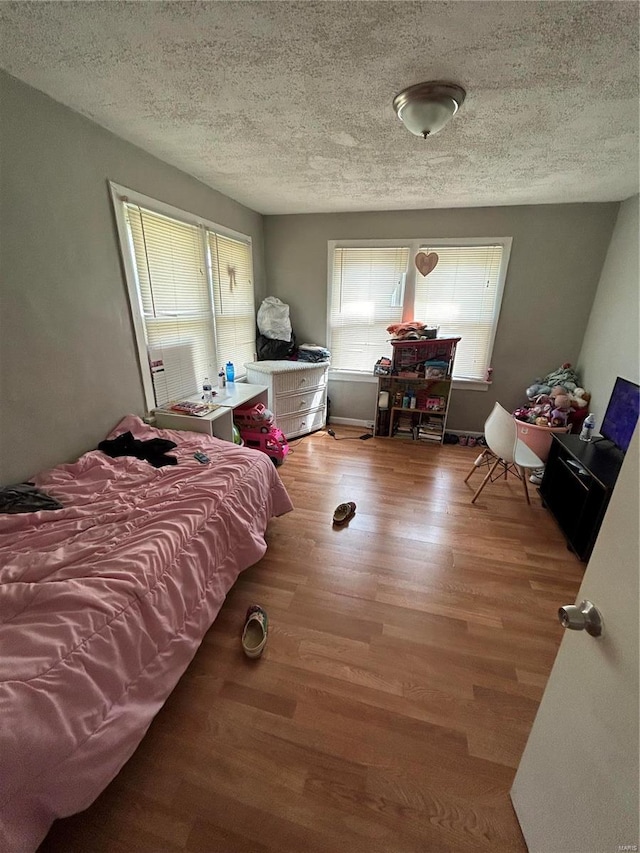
{"x": 222, "y": 380}
{"x": 587, "y": 428}
{"x": 230, "y": 371}
{"x": 207, "y": 394}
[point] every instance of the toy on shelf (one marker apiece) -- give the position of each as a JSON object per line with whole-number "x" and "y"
{"x": 382, "y": 367}
{"x": 434, "y": 403}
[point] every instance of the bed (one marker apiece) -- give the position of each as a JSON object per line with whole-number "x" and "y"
{"x": 103, "y": 605}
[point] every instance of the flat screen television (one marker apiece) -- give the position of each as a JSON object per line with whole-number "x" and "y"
{"x": 621, "y": 416}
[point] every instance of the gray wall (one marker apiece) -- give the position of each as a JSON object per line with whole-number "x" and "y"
{"x": 610, "y": 345}
{"x": 68, "y": 365}
{"x": 556, "y": 259}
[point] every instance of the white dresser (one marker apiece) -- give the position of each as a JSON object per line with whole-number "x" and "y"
{"x": 297, "y": 393}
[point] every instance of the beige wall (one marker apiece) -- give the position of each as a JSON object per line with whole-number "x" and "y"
{"x": 610, "y": 346}
{"x": 556, "y": 259}
{"x": 68, "y": 363}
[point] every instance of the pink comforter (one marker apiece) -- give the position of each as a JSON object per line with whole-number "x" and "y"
{"x": 104, "y": 603}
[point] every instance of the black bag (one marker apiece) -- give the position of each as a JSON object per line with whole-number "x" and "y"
{"x": 269, "y": 349}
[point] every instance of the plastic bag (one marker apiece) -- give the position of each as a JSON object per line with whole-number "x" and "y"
{"x": 269, "y": 349}
{"x": 273, "y": 319}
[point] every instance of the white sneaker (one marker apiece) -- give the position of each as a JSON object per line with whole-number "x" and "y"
{"x": 536, "y": 476}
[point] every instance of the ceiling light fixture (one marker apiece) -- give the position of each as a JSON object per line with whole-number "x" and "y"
{"x": 426, "y": 107}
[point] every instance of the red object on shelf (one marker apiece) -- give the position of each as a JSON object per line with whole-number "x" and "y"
{"x": 576, "y": 419}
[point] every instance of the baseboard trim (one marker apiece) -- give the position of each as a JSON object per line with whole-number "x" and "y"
{"x": 350, "y": 422}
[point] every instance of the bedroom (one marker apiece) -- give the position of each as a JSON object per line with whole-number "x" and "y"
{"x": 69, "y": 361}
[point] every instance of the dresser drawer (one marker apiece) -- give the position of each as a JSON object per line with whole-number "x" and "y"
{"x": 291, "y": 404}
{"x": 299, "y": 380}
{"x": 292, "y": 425}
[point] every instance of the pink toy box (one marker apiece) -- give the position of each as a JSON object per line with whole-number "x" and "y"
{"x": 539, "y": 438}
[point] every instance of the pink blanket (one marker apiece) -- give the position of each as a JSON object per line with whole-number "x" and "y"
{"x": 104, "y": 603}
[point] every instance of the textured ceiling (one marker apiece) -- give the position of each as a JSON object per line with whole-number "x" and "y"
{"x": 287, "y": 106}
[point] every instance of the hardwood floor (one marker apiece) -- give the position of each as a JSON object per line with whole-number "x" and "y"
{"x": 406, "y": 659}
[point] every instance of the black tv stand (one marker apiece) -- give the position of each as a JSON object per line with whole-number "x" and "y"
{"x": 578, "y": 481}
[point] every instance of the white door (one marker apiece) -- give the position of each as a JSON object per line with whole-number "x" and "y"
{"x": 576, "y": 789}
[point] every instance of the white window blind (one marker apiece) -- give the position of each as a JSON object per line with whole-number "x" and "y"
{"x": 191, "y": 289}
{"x": 367, "y": 293}
{"x": 461, "y": 296}
{"x": 175, "y": 301}
{"x": 233, "y": 300}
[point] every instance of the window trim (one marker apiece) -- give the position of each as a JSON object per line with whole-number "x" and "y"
{"x": 120, "y": 195}
{"x": 414, "y": 245}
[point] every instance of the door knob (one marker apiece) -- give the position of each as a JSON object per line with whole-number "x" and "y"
{"x": 581, "y": 617}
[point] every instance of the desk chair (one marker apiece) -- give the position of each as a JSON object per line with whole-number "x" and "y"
{"x": 505, "y": 449}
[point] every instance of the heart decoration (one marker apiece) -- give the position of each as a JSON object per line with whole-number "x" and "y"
{"x": 426, "y": 263}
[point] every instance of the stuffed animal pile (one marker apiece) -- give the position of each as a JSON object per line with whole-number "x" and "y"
{"x": 554, "y": 399}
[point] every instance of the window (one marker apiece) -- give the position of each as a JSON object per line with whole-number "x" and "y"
{"x": 367, "y": 293}
{"x": 461, "y": 297}
{"x": 191, "y": 293}
{"x": 372, "y": 285}
{"x": 233, "y": 299}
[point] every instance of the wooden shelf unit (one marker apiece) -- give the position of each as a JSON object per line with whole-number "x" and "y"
{"x": 411, "y": 360}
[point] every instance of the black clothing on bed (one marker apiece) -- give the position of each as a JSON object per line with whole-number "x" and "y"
{"x": 153, "y": 450}
{"x": 25, "y": 498}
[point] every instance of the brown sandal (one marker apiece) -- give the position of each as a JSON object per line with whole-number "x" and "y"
{"x": 344, "y": 513}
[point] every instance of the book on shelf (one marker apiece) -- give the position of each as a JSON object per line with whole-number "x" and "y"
{"x": 430, "y": 436}
{"x": 188, "y": 407}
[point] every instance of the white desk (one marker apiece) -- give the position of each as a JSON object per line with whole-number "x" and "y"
{"x": 219, "y": 422}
